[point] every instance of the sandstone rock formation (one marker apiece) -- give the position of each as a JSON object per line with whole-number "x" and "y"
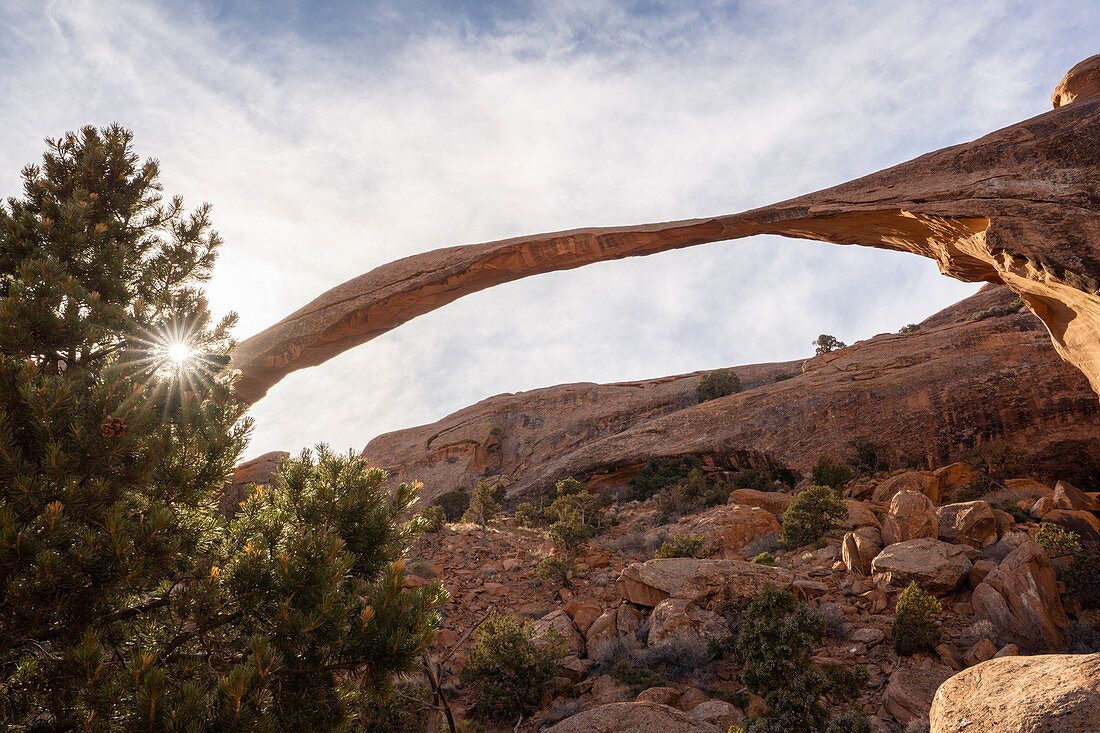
{"x": 1036, "y": 694}
{"x": 937, "y": 567}
{"x": 728, "y": 528}
{"x": 911, "y": 689}
{"x": 912, "y": 515}
{"x": 638, "y": 717}
{"x": 859, "y": 548}
{"x": 1020, "y": 598}
{"x": 260, "y": 471}
{"x": 970, "y": 523}
{"x": 939, "y": 391}
{"x": 678, "y": 619}
{"x": 1017, "y": 206}
{"x": 649, "y": 583}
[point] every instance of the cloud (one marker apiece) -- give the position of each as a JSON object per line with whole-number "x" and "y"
{"x": 332, "y": 144}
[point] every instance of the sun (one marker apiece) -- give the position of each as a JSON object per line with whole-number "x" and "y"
{"x": 178, "y": 353}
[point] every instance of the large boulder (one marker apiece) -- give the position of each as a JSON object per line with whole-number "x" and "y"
{"x": 968, "y": 523}
{"x": 937, "y": 567}
{"x": 1036, "y": 694}
{"x": 912, "y": 515}
{"x": 922, "y": 482}
{"x": 775, "y": 502}
{"x": 678, "y": 619}
{"x": 617, "y": 624}
{"x": 860, "y": 514}
{"x": 859, "y": 548}
{"x": 953, "y": 477}
{"x": 1068, "y": 496}
{"x": 648, "y": 583}
{"x": 1020, "y": 598}
{"x": 728, "y": 528}
{"x": 636, "y": 717}
{"x": 912, "y": 686}
{"x": 559, "y": 621}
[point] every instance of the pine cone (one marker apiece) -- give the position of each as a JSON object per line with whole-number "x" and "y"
{"x": 113, "y": 427}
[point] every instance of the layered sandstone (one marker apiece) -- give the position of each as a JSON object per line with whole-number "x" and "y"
{"x": 1018, "y": 206}
{"x": 931, "y": 395}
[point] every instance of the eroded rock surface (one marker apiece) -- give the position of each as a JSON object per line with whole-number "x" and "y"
{"x": 1020, "y": 598}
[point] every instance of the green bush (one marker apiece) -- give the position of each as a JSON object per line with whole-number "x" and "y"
{"x": 1057, "y": 540}
{"x": 719, "y": 383}
{"x": 454, "y": 503}
{"x": 764, "y": 558}
{"x": 505, "y": 671}
{"x": 529, "y": 515}
{"x": 828, "y": 472}
{"x": 996, "y": 311}
{"x": 750, "y": 478}
{"x": 659, "y": 473}
{"x": 867, "y": 456}
{"x": 555, "y": 569}
{"x": 683, "y": 545}
{"x": 1082, "y": 579}
{"x": 850, "y": 721}
{"x": 999, "y": 460}
{"x": 639, "y": 678}
{"x": 916, "y": 621}
{"x": 783, "y": 377}
{"x": 434, "y": 518}
{"x": 911, "y": 328}
{"x": 690, "y": 494}
{"x": 811, "y": 514}
{"x": 825, "y": 343}
{"x": 405, "y": 710}
{"x": 774, "y": 644}
{"x": 484, "y": 504}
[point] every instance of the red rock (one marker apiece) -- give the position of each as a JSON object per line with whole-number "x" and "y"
{"x": 859, "y": 548}
{"x": 1085, "y": 524}
{"x": 1020, "y": 598}
{"x": 584, "y": 614}
{"x": 953, "y": 477}
{"x": 937, "y": 567}
{"x": 912, "y": 515}
{"x": 678, "y": 619}
{"x": 1067, "y": 496}
{"x": 911, "y": 688}
{"x": 559, "y": 620}
{"x": 980, "y": 652}
{"x": 969, "y": 523}
{"x": 649, "y": 583}
{"x": 727, "y": 528}
{"x": 775, "y": 502}
{"x": 922, "y": 482}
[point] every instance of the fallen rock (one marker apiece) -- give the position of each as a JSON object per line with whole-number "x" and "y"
{"x": 648, "y": 583}
{"x": 1020, "y": 598}
{"x": 981, "y": 569}
{"x": 584, "y": 614}
{"x": 728, "y": 528}
{"x": 937, "y": 567}
{"x": 859, "y": 548}
{"x": 953, "y": 477}
{"x": 637, "y": 717}
{"x": 922, "y": 482}
{"x": 912, "y": 515}
{"x": 968, "y": 523}
{"x": 1036, "y": 694}
{"x": 659, "y": 695}
{"x": 912, "y": 687}
{"x": 617, "y": 624}
{"x": 1083, "y": 523}
{"x": 559, "y": 621}
{"x": 1041, "y": 507}
{"x": 860, "y": 514}
{"x": 719, "y": 713}
{"x": 980, "y": 652}
{"x": 775, "y": 502}
{"x": 1067, "y": 496}
{"x": 678, "y": 619}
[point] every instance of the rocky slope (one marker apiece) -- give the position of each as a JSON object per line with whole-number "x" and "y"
{"x": 1018, "y": 206}
{"x": 928, "y": 395}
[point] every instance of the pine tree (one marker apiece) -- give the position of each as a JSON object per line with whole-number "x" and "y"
{"x": 126, "y": 601}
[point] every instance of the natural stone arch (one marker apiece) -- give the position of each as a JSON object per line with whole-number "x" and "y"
{"x": 1018, "y": 206}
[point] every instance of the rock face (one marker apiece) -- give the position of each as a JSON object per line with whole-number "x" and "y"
{"x": 1036, "y": 694}
{"x": 1020, "y": 598}
{"x": 937, "y": 567}
{"x": 678, "y": 619}
{"x": 728, "y": 528}
{"x": 260, "y": 471}
{"x": 911, "y": 516}
{"x": 967, "y": 523}
{"x": 937, "y": 390}
{"x": 1017, "y": 206}
{"x": 921, "y": 482}
{"x": 648, "y": 583}
{"x": 638, "y": 717}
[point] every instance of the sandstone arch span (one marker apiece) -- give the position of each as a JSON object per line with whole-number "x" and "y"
{"x": 1019, "y": 206}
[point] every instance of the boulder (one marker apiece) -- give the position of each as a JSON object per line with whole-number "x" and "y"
{"x": 728, "y": 528}
{"x": 1067, "y": 496}
{"x": 859, "y": 548}
{"x": 775, "y": 502}
{"x": 620, "y": 623}
{"x": 1036, "y": 694}
{"x": 648, "y": 583}
{"x": 636, "y": 717}
{"x": 1083, "y": 523}
{"x": 1041, "y": 507}
{"x": 659, "y": 695}
{"x": 559, "y": 620}
{"x": 584, "y": 614}
{"x": 953, "y": 477}
{"x": 912, "y": 515}
{"x": 678, "y": 619}
{"x": 719, "y": 713}
{"x": 860, "y": 515}
{"x": 969, "y": 523}
{"x": 912, "y": 686}
{"x": 922, "y": 482}
{"x": 1018, "y": 488}
{"x": 937, "y": 567}
{"x": 1020, "y": 598}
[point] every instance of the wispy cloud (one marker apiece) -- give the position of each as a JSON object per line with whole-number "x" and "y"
{"x": 331, "y": 143}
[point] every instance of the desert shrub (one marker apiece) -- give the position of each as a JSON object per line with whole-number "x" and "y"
{"x": 506, "y": 672}
{"x": 910, "y": 328}
{"x": 639, "y": 678}
{"x": 774, "y": 643}
{"x": 555, "y": 569}
{"x": 527, "y": 514}
{"x": 719, "y": 383}
{"x": 916, "y": 621}
{"x": 718, "y": 648}
{"x": 683, "y": 545}
{"x": 867, "y": 456}
{"x": 659, "y": 473}
{"x": 828, "y": 472}
{"x": 750, "y": 478}
{"x": 999, "y": 460}
{"x": 764, "y": 558}
{"x": 825, "y": 343}
{"x": 1057, "y": 540}
{"x": 454, "y": 503}
{"x": 1082, "y": 579}
{"x": 690, "y": 494}
{"x": 918, "y": 725}
{"x": 765, "y": 544}
{"x": 434, "y": 518}
{"x": 406, "y": 709}
{"x": 835, "y": 625}
{"x": 739, "y": 699}
{"x": 570, "y": 533}
{"x": 996, "y": 311}
{"x": 811, "y": 514}
{"x": 678, "y": 659}
{"x": 484, "y": 504}
{"x": 783, "y": 377}
{"x": 849, "y": 721}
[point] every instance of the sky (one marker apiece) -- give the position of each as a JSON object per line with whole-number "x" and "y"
{"x": 333, "y": 137}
